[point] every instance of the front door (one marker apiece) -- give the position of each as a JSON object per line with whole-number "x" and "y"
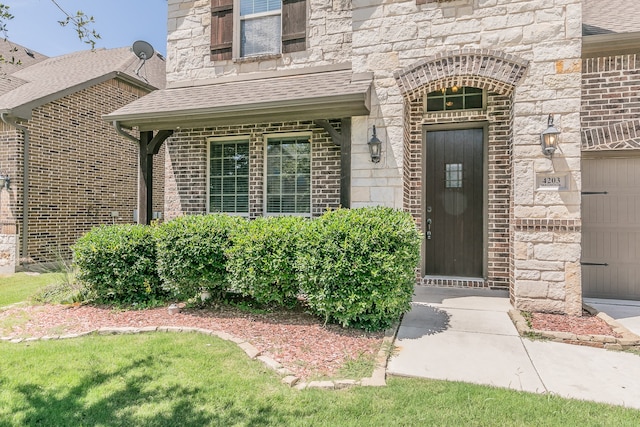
{"x": 453, "y": 193}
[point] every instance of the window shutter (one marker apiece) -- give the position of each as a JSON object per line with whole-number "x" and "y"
{"x": 221, "y": 29}
{"x": 294, "y": 25}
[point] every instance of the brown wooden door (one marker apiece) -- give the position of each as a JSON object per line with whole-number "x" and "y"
{"x": 453, "y": 217}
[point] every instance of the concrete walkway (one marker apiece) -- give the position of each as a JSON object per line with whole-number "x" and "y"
{"x": 466, "y": 335}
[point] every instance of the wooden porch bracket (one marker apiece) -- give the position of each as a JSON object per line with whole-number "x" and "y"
{"x": 343, "y": 139}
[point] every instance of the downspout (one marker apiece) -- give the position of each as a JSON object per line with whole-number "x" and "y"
{"x": 121, "y": 132}
{"x": 25, "y": 181}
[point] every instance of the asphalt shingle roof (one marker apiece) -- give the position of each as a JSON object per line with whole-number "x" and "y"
{"x": 50, "y": 78}
{"x": 292, "y": 93}
{"x": 610, "y": 16}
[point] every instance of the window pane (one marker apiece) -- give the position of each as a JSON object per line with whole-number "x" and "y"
{"x": 229, "y": 177}
{"x": 474, "y": 101}
{"x": 289, "y": 184}
{"x": 216, "y": 204}
{"x": 435, "y": 104}
{"x": 455, "y": 98}
{"x": 260, "y": 35}
{"x": 453, "y": 178}
{"x": 248, "y": 7}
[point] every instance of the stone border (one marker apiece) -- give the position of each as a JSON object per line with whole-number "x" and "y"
{"x": 629, "y": 340}
{"x": 377, "y": 379}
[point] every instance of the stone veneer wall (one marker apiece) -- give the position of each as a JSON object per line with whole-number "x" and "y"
{"x": 186, "y": 166}
{"x": 386, "y": 37}
{"x": 189, "y": 42}
{"x": 611, "y": 103}
{"x": 80, "y": 171}
{"x": 546, "y": 35}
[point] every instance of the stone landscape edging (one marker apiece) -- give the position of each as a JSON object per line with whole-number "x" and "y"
{"x": 377, "y": 379}
{"x": 628, "y": 339}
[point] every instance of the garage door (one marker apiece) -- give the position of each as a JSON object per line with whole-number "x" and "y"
{"x": 611, "y": 227}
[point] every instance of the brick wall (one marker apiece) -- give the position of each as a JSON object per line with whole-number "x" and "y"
{"x": 498, "y": 166}
{"x": 81, "y": 170}
{"x": 611, "y": 103}
{"x": 186, "y": 166}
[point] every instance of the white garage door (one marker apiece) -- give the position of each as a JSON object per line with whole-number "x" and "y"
{"x": 611, "y": 227}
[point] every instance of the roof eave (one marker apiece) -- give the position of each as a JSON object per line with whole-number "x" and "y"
{"x": 338, "y": 106}
{"x": 24, "y": 111}
{"x": 610, "y": 44}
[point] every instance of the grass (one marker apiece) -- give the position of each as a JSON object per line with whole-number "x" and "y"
{"x": 164, "y": 379}
{"x": 21, "y": 286}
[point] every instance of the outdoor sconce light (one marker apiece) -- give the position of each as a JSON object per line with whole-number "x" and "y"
{"x": 549, "y": 138}
{"x": 374, "y": 147}
{"x": 5, "y": 181}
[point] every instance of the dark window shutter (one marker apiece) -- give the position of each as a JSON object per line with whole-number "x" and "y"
{"x": 221, "y": 29}
{"x": 294, "y": 25}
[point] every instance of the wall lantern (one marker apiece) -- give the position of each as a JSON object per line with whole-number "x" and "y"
{"x": 4, "y": 181}
{"x": 375, "y": 146}
{"x": 549, "y": 138}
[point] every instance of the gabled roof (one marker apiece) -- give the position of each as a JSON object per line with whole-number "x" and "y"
{"x": 53, "y": 78}
{"x": 17, "y": 57}
{"x": 308, "y": 96}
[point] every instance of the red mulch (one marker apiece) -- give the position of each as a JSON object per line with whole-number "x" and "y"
{"x": 583, "y": 325}
{"x": 299, "y": 341}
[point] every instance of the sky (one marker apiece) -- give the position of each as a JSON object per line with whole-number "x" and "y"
{"x": 119, "y": 23}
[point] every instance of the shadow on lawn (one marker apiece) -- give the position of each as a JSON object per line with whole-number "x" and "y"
{"x": 120, "y": 397}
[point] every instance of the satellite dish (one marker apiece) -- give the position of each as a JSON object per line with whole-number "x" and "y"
{"x": 142, "y": 49}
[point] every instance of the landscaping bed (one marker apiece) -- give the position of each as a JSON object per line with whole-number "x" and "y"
{"x": 297, "y": 340}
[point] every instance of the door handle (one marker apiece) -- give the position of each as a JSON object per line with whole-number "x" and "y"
{"x": 428, "y": 228}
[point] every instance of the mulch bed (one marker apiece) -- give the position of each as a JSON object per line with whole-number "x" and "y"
{"x": 579, "y": 325}
{"x": 299, "y": 341}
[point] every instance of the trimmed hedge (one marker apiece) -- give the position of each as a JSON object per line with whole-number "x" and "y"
{"x": 261, "y": 259}
{"x": 117, "y": 264}
{"x": 357, "y": 266}
{"x": 191, "y": 253}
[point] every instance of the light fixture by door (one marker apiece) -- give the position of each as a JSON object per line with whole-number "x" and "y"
{"x": 549, "y": 138}
{"x": 375, "y": 146}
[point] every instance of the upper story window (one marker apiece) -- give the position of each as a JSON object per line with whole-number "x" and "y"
{"x": 260, "y": 27}
{"x": 247, "y": 28}
{"x": 455, "y": 98}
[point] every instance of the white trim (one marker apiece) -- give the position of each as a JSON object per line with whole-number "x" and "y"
{"x": 236, "y": 47}
{"x": 266, "y": 138}
{"x": 222, "y": 140}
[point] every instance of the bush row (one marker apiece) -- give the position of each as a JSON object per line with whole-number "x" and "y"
{"x": 355, "y": 267}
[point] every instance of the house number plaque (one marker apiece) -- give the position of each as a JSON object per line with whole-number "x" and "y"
{"x": 552, "y": 182}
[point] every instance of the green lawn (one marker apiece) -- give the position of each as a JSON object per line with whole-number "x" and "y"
{"x": 20, "y": 286}
{"x": 165, "y": 379}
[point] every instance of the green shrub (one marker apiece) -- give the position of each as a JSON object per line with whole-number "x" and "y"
{"x": 117, "y": 264}
{"x": 261, "y": 260}
{"x": 357, "y": 267}
{"x": 191, "y": 253}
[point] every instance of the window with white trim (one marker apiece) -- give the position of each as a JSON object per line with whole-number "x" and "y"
{"x": 228, "y": 189}
{"x": 260, "y": 27}
{"x": 288, "y": 175}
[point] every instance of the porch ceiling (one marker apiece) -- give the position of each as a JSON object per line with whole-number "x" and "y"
{"x": 332, "y": 94}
